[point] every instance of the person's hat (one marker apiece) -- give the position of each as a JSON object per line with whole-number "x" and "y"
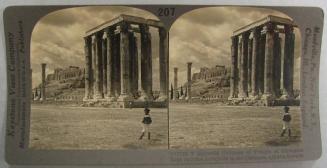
{"x": 146, "y": 110}
{"x": 286, "y": 108}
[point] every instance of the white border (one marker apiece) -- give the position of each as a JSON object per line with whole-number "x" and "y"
{"x": 322, "y": 162}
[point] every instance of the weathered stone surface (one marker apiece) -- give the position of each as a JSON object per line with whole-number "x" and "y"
{"x": 234, "y": 70}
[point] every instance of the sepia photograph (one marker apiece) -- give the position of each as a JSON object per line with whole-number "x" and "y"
{"x": 99, "y": 80}
{"x": 234, "y": 79}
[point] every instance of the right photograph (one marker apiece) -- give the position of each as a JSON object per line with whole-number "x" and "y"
{"x": 234, "y": 79}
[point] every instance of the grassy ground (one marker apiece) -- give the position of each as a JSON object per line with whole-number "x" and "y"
{"x": 213, "y": 126}
{"x": 191, "y": 127}
{"x": 64, "y": 127}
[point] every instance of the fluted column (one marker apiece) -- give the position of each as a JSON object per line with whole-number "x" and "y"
{"x": 163, "y": 63}
{"x": 255, "y": 63}
{"x": 249, "y": 66}
{"x": 189, "y": 81}
{"x": 125, "y": 91}
{"x": 175, "y": 91}
{"x": 133, "y": 64}
{"x": 288, "y": 67}
{"x": 277, "y": 65}
{"x": 243, "y": 92}
{"x": 146, "y": 64}
{"x": 110, "y": 77}
{"x": 104, "y": 63}
{"x": 269, "y": 54}
{"x": 43, "y": 93}
{"x": 95, "y": 55}
{"x": 234, "y": 69}
{"x": 88, "y": 67}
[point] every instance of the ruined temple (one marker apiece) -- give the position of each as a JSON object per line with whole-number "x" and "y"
{"x": 66, "y": 73}
{"x": 261, "y": 71}
{"x": 218, "y": 73}
{"x": 112, "y": 63}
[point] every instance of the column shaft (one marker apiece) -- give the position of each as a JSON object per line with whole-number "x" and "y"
{"x": 104, "y": 63}
{"x": 234, "y": 69}
{"x": 255, "y": 62}
{"x": 88, "y": 67}
{"x": 189, "y": 81}
{"x": 277, "y": 65}
{"x": 43, "y": 93}
{"x": 163, "y": 63}
{"x": 125, "y": 91}
{"x": 269, "y": 56}
{"x": 288, "y": 67}
{"x": 249, "y": 63}
{"x": 110, "y": 65}
{"x": 243, "y": 91}
{"x": 146, "y": 63}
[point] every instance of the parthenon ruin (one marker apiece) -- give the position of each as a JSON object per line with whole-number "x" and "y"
{"x": 260, "y": 70}
{"x": 112, "y": 64}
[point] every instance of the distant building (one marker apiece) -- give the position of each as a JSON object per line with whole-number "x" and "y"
{"x": 218, "y": 74}
{"x": 67, "y": 73}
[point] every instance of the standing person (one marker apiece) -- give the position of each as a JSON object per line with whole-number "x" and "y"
{"x": 146, "y": 123}
{"x": 286, "y": 121}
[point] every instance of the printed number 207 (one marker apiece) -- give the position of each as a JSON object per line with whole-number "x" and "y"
{"x": 166, "y": 12}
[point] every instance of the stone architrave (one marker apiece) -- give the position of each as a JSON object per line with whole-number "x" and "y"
{"x": 269, "y": 61}
{"x": 125, "y": 93}
{"x": 163, "y": 64}
{"x": 288, "y": 67}
{"x": 234, "y": 69}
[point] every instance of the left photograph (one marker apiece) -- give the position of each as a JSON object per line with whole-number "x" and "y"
{"x": 97, "y": 82}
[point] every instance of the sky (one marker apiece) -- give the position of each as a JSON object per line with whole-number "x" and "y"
{"x": 201, "y": 36}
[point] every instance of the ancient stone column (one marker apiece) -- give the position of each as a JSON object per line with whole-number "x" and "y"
{"x": 189, "y": 81}
{"x": 163, "y": 63}
{"x": 175, "y": 83}
{"x": 116, "y": 65}
{"x": 249, "y": 65}
{"x": 269, "y": 58}
{"x": 95, "y": 55}
{"x": 288, "y": 67}
{"x": 110, "y": 79}
{"x": 133, "y": 64}
{"x": 239, "y": 66}
{"x": 104, "y": 63}
{"x": 277, "y": 65}
{"x": 43, "y": 93}
{"x": 88, "y": 67}
{"x": 146, "y": 64}
{"x": 234, "y": 69}
{"x": 243, "y": 91}
{"x": 125, "y": 92}
{"x": 255, "y": 62}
